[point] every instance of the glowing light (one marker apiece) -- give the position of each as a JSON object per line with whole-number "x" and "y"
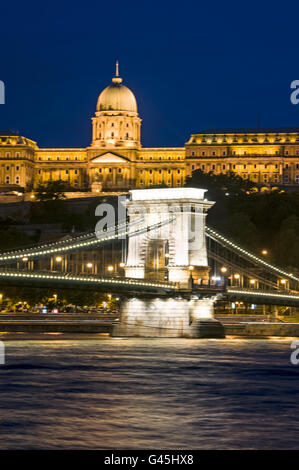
{"x": 122, "y": 265}
{"x": 252, "y": 281}
{"x": 191, "y": 268}
{"x": 25, "y": 258}
{"x": 223, "y": 269}
{"x": 283, "y": 281}
{"x": 110, "y": 268}
{"x": 237, "y": 276}
{"x": 58, "y": 259}
{"x": 264, "y": 252}
{"x": 89, "y": 265}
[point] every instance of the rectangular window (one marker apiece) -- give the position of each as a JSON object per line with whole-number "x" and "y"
{"x": 203, "y": 153}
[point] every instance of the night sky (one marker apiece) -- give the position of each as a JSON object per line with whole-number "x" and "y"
{"x": 191, "y": 66}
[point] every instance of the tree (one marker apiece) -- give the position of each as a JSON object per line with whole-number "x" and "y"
{"x": 50, "y": 205}
{"x": 220, "y": 184}
{"x": 51, "y": 191}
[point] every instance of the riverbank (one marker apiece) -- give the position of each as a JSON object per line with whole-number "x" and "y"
{"x": 262, "y": 330}
{"x": 60, "y": 327}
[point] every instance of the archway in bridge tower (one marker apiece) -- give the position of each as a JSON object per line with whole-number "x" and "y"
{"x": 156, "y": 260}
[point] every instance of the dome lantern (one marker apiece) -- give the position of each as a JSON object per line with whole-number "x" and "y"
{"x": 117, "y": 97}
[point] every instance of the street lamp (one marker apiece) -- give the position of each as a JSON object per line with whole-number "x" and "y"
{"x": 89, "y": 265}
{"x": 252, "y": 281}
{"x": 122, "y": 264}
{"x": 110, "y": 269}
{"x": 264, "y": 252}
{"x": 223, "y": 269}
{"x": 58, "y": 259}
{"x": 237, "y": 278}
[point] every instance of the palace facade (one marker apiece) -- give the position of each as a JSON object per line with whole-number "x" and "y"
{"x": 115, "y": 159}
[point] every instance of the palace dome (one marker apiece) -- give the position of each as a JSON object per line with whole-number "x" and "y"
{"x": 117, "y": 97}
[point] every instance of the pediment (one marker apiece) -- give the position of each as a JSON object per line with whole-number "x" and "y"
{"x": 109, "y": 157}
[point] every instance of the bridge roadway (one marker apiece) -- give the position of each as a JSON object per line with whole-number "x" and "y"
{"x": 131, "y": 287}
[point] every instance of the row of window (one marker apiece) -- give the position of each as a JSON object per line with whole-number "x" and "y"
{"x": 241, "y": 140}
{"x": 224, "y": 167}
{"x": 17, "y": 168}
{"x": 62, "y": 159}
{"x": 223, "y": 153}
{"x": 178, "y": 182}
{"x": 67, "y": 172}
{"x": 8, "y": 180}
{"x": 169, "y": 157}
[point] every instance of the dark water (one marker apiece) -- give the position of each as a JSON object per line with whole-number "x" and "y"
{"x": 140, "y": 393}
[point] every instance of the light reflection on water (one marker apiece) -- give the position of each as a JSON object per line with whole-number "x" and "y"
{"x": 149, "y": 393}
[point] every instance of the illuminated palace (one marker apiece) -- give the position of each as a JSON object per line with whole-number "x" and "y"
{"x": 116, "y": 160}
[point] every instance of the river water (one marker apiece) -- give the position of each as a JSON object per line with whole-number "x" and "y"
{"x": 102, "y": 393}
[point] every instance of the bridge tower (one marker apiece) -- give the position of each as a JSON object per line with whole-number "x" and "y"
{"x": 172, "y": 247}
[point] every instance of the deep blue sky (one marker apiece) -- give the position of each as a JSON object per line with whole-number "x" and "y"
{"x": 191, "y": 65}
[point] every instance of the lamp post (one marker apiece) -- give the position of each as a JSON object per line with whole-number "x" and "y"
{"x": 223, "y": 270}
{"x": 58, "y": 259}
{"x": 237, "y": 279}
{"x": 190, "y": 280}
{"x": 122, "y": 266}
{"x": 110, "y": 269}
